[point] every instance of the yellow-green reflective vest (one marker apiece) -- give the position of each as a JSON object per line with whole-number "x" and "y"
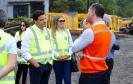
{"x": 20, "y": 59}
{"x": 18, "y": 35}
{"x": 40, "y": 47}
{"x": 61, "y": 43}
{"x": 8, "y": 79}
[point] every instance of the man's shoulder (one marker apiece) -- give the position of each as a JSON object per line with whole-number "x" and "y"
{"x": 89, "y": 30}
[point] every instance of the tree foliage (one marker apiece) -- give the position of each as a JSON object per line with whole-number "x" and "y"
{"x": 113, "y": 7}
{"x": 125, "y": 7}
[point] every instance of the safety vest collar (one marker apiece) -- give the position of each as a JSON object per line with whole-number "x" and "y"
{"x": 97, "y": 23}
{"x": 7, "y": 78}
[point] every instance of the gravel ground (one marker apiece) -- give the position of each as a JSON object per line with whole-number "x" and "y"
{"x": 123, "y": 67}
{"x": 123, "y": 64}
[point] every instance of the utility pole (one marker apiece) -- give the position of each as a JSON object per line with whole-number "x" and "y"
{"x": 46, "y": 6}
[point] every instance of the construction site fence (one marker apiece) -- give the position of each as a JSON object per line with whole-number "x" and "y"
{"x": 75, "y": 22}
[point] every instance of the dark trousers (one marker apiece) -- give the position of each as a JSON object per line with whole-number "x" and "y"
{"x": 95, "y": 78}
{"x": 110, "y": 63}
{"x": 40, "y": 75}
{"x": 22, "y": 71}
{"x": 62, "y": 71}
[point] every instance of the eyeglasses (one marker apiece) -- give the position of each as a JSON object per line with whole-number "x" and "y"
{"x": 22, "y": 25}
{"x": 61, "y": 20}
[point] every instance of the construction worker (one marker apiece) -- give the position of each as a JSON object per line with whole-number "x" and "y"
{"x": 8, "y": 53}
{"x": 37, "y": 49}
{"x": 95, "y": 44}
{"x": 22, "y": 63}
{"x": 62, "y": 42}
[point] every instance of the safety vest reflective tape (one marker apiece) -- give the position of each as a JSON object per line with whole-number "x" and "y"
{"x": 44, "y": 59}
{"x": 59, "y": 50}
{"x": 37, "y": 42}
{"x": 7, "y": 78}
{"x": 2, "y": 48}
{"x": 97, "y": 31}
{"x": 94, "y": 58}
{"x": 41, "y": 53}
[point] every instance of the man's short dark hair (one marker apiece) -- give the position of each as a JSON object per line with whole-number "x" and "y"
{"x": 3, "y": 18}
{"x": 99, "y": 9}
{"x": 36, "y": 14}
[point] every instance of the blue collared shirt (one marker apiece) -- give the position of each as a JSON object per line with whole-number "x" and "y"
{"x": 113, "y": 41}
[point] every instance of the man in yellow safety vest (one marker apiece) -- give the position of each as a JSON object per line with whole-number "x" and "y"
{"x": 37, "y": 49}
{"x": 8, "y": 53}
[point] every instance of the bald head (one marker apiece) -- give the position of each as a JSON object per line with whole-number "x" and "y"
{"x": 3, "y": 18}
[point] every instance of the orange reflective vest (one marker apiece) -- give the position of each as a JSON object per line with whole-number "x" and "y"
{"x": 94, "y": 54}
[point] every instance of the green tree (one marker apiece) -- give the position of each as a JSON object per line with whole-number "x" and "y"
{"x": 125, "y": 8}
{"x": 67, "y": 5}
{"x": 113, "y": 7}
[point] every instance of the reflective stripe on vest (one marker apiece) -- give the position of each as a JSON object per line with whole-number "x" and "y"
{"x": 97, "y": 31}
{"x": 59, "y": 50}
{"x": 94, "y": 58}
{"x": 39, "y": 53}
{"x": 44, "y": 59}
{"x": 2, "y": 47}
{"x": 97, "y": 58}
{"x": 6, "y": 78}
{"x": 42, "y": 53}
